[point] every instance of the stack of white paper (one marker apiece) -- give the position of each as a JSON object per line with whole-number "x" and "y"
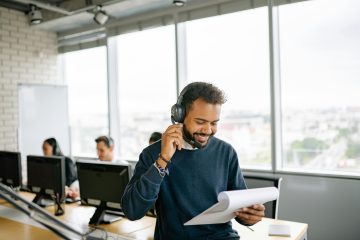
{"x": 231, "y": 201}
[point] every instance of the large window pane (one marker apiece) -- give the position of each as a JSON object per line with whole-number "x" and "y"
{"x": 320, "y": 69}
{"x": 232, "y": 51}
{"x": 147, "y": 86}
{"x": 85, "y": 74}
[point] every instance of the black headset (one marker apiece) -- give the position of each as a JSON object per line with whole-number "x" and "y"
{"x": 178, "y": 111}
{"x": 107, "y": 140}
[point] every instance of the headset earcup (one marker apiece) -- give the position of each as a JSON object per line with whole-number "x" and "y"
{"x": 178, "y": 113}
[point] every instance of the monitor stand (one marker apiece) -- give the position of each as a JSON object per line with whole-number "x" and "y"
{"x": 43, "y": 200}
{"x": 102, "y": 215}
{"x": 111, "y": 217}
{"x": 46, "y": 200}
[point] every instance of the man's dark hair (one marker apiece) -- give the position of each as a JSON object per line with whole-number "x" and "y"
{"x": 109, "y": 142}
{"x": 207, "y": 91}
{"x": 155, "y": 136}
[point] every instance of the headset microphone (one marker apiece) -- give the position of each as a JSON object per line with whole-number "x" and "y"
{"x": 192, "y": 142}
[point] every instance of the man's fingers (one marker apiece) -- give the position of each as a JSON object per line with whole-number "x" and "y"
{"x": 174, "y": 128}
{"x": 251, "y": 215}
{"x": 255, "y": 212}
{"x": 259, "y": 207}
{"x": 175, "y": 134}
{"x": 172, "y": 138}
{"x": 176, "y": 139}
{"x": 248, "y": 218}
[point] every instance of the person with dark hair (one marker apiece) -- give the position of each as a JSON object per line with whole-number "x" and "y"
{"x": 155, "y": 136}
{"x": 51, "y": 147}
{"x": 105, "y": 148}
{"x": 185, "y": 171}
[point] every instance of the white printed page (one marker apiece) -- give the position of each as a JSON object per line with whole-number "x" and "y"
{"x": 231, "y": 201}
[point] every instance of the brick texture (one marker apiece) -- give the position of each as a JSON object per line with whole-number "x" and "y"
{"x": 27, "y": 56}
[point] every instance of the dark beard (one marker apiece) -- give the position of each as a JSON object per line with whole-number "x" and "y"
{"x": 188, "y": 137}
{"x": 187, "y": 134}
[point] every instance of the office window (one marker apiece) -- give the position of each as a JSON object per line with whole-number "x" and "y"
{"x": 320, "y": 69}
{"x": 147, "y": 86}
{"x": 86, "y": 75}
{"x": 232, "y": 51}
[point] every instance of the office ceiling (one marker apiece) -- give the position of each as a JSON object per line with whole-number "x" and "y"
{"x": 66, "y": 15}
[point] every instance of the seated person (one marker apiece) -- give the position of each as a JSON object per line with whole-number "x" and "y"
{"x": 155, "y": 136}
{"x": 105, "y": 150}
{"x": 51, "y": 147}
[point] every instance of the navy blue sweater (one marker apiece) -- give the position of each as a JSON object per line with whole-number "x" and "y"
{"x": 195, "y": 180}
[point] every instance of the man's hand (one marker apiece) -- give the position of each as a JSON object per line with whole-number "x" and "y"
{"x": 72, "y": 192}
{"x": 251, "y": 215}
{"x": 171, "y": 140}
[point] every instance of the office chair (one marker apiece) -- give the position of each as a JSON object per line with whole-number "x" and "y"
{"x": 257, "y": 181}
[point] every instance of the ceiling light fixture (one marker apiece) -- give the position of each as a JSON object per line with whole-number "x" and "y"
{"x": 100, "y": 16}
{"x": 179, "y": 3}
{"x": 35, "y": 15}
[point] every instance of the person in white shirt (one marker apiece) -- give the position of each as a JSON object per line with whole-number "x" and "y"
{"x": 105, "y": 148}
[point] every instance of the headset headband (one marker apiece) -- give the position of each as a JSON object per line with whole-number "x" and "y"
{"x": 182, "y": 93}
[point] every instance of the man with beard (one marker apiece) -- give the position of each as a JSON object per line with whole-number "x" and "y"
{"x": 185, "y": 171}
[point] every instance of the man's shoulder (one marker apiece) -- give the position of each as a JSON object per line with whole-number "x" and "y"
{"x": 221, "y": 143}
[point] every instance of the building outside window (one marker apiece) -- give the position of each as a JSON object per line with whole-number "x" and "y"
{"x": 320, "y": 69}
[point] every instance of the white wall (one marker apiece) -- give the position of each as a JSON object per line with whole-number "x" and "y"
{"x": 27, "y": 55}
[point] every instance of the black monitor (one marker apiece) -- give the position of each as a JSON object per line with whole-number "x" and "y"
{"x": 102, "y": 185}
{"x": 258, "y": 181}
{"x": 10, "y": 169}
{"x": 46, "y": 178}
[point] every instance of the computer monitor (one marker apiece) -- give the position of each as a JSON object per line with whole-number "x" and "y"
{"x": 10, "y": 169}
{"x": 102, "y": 185}
{"x": 46, "y": 178}
{"x": 258, "y": 181}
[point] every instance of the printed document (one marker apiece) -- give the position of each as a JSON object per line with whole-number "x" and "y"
{"x": 231, "y": 201}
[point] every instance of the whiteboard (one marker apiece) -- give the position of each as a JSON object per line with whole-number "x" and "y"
{"x": 43, "y": 113}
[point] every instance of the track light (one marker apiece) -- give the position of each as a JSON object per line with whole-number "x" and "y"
{"x": 100, "y": 16}
{"x": 179, "y": 3}
{"x": 35, "y": 15}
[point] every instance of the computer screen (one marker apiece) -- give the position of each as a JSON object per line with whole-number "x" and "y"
{"x": 46, "y": 176}
{"x": 10, "y": 168}
{"x": 102, "y": 185}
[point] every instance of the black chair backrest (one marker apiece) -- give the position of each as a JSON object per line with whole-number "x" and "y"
{"x": 257, "y": 181}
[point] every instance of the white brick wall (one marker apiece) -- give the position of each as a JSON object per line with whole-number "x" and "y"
{"x": 27, "y": 55}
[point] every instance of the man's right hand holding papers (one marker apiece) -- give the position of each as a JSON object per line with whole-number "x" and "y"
{"x": 251, "y": 215}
